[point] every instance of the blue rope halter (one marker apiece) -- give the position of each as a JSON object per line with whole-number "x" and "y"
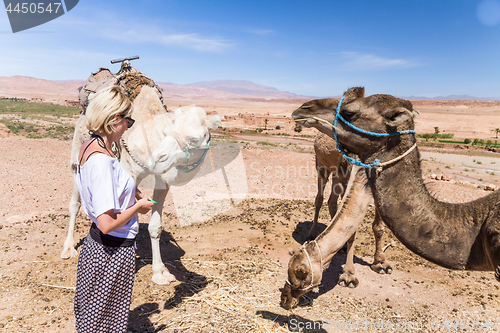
{"x": 375, "y": 163}
{"x": 187, "y": 168}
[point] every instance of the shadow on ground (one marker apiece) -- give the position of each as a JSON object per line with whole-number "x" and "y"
{"x": 332, "y": 273}
{"x": 171, "y": 253}
{"x": 294, "y": 323}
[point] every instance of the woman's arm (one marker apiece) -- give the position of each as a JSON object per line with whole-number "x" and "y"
{"x": 110, "y": 220}
{"x": 138, "y": 194}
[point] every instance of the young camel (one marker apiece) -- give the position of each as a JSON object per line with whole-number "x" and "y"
{"x": 305, "y": 268}
{"x": 329, "y": 161}
{"x": 461, "y": 236}
{"x": 154, "y": 145}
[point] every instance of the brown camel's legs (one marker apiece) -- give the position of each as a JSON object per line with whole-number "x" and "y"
{"x": 347, "y": 278}
{"x": 323, "y": 175}
{"x": 380, "y": 265}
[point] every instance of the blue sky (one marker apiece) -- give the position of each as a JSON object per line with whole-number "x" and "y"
{"x": 315, "y": 48}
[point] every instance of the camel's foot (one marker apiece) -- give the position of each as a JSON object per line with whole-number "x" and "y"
{"x": 163, "y": 278}
{"x": 382, "y": 267}
{"x": 348, "y": 280}
{"x": 69, "y": 252}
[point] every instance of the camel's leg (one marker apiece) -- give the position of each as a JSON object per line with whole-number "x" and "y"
{"x": 380, "y": 264}
{"x": 339, "y": 185}
{"x": 74, "y": 206}
{"x": 347, "y": 278}
{"x": 160, "y": 273}
{"x": 323, "y": 175}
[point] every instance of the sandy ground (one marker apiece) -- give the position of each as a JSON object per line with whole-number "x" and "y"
{"x": 230, "y": 268}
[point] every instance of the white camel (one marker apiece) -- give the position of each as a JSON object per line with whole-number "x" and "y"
{"x": 170, "y": 150}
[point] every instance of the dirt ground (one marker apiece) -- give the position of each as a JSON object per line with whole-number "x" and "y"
{"x": 231, "y": 267}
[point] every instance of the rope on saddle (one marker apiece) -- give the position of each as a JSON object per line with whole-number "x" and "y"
{"x": 131, "y": 81}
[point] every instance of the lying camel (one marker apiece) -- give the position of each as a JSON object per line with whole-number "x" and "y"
{"x": 171, "y": 151}
{"x": 380, "y": 130}
{"x": 329, "y": 161}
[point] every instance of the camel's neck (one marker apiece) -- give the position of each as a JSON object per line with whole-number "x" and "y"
{"x": 349, "y": 216}
{"x": 444, "y": 233}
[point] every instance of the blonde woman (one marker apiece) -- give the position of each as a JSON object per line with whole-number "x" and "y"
{"x": 106, "y": 265}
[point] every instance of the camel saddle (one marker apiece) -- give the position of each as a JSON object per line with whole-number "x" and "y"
{"x": 129, "y": 79}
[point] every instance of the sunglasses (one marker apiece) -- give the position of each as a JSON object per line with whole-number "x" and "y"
{"x": 130, "y": 121}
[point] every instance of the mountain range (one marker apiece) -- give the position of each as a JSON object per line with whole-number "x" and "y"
{"x": 454, "y": 98}
{"x": 29, "y": 87}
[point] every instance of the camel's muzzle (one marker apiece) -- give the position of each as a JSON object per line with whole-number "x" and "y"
{"x": 287, "y": 300}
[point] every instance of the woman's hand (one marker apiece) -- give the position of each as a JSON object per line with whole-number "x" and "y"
{"x": 144, "y": 205}
{"x": 110, "y": 220}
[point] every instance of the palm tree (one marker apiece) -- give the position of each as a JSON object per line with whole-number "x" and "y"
{"x": 496, "y": 131}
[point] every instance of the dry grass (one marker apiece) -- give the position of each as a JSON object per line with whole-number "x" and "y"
{"x": 224, "y": 295}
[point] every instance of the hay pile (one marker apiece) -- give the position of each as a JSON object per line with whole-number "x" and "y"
{"x": 222, "y": 295}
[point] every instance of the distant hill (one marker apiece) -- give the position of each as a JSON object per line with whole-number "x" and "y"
{"x": 29, "y": 87}
{"x": 454, "y": 98}
{"x": 246, "y": 88}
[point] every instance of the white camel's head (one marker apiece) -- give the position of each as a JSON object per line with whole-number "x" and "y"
{"x": 185, "y": 142}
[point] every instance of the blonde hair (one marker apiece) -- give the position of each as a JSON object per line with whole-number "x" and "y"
{"x": 103, "y": 106}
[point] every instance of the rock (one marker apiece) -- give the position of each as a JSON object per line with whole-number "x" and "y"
{"x": 446, "y": 178}
{"x": 490, "y": 187}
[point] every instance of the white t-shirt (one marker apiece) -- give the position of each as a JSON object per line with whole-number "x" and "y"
{"x": 105, "y": 185}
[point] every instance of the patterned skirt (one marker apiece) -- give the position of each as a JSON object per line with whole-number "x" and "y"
{"x": 104, "y": 282}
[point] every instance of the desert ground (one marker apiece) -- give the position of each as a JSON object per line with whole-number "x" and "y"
{"x": 231, "y": 265}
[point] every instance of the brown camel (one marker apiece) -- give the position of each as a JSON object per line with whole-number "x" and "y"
{"x": 305, "y": 268}
{"x": 456, "y": 236}
{"x": 329, "y": 161}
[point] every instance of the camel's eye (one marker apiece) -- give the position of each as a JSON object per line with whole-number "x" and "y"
{"x": 347, "y": 114}
{"x": 306, "y": 106}
{"x": 393, "y": 115}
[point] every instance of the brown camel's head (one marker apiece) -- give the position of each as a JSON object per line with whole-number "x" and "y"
{"x": 376, "y": 113}
{"x": 311, "y": 113}
{"x": 304, "y": 274}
